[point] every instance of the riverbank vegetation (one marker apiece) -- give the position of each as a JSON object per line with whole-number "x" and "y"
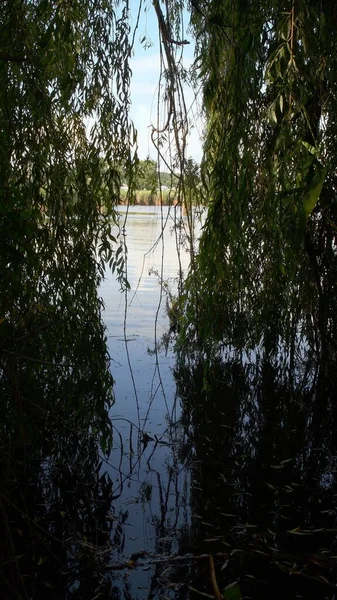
{"x": 148, "y": 197}
{"x": 255, "y": 315}
{"x": 257, "y": 327}
{"x": 56, "y": 64}
{"x": 154, "y": 188}
{"x": 266, "y": 267}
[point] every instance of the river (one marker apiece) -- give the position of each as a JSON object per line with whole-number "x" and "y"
{"x": 222, "y": 478}
{"x": 151, "y": 483}
{"x": 242, "y": 471}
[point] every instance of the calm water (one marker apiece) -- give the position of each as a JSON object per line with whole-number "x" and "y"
{"x": 244, "y": 470}
{"x": 235, "y": 464}
{"x": 150, "y": 482}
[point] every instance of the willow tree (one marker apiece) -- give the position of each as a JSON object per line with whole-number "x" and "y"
{"x": 266, "y": 267}
{"x": 64, "y": 100}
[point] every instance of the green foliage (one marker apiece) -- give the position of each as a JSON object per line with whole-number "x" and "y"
{"x": 266, "y": 266}
{"x": 56, "y": 198}
{"x": 149, "y": 198}
{"x": 145, "y": 197}
{"x": 59, "y": 115}
{"x": 147, "y": 176}
{"x": 232, "y": 592}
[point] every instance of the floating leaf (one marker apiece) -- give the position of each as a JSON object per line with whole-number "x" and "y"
{"x": 232, "y": 591}
{"x": 224, "y": 565}
{"x": 296, "y": 531}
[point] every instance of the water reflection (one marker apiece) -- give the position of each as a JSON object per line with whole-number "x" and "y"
{"x": 151, "y": 484}
{"x": 56, "y": 389}
{"x": 238, "y": 465}
{"x": 263, "y": 450}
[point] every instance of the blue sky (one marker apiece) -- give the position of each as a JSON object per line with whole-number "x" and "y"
{"x": 145, "y": 65}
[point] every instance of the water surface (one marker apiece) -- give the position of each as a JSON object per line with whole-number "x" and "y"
{"x": 151, "y": 482}
{"x": 243, "y": 469}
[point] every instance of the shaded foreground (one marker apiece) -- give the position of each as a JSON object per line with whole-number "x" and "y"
{"x": 230, "y": 483}
{"x": 262, "y": 449}
{"x": 260, "y": 444}
{"x": 54, "y": 501}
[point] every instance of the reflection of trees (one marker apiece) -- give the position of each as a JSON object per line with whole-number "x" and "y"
{"x": 55, "y": 530}
{"x": 55, "y": 390}
{"x": 263, "y": 450}
{"x": 152, "y": 483}
{"x": 171, "y": 524}
{"x": 55, "y": 518}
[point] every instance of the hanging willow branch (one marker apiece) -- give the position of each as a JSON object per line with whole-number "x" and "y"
{"x": 266, "y": 259}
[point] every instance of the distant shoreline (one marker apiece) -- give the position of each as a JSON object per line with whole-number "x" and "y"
{"x": 148, "y": 198}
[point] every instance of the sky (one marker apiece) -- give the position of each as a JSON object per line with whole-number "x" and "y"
{"x": 145, "y": 66}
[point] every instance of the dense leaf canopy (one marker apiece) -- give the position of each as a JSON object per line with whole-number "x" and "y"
{"x": 266, "y": 267}
{"x": 64, "y": 103}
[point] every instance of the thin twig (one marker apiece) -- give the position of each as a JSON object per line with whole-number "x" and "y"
{"x": 130, "y": 564}
{"x": 217, "y": 593}
{"x": 192, "y": 589}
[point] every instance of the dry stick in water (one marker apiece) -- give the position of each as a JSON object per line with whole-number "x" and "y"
{"x": 133, "y": 564}
{"x": 216, "y": 590}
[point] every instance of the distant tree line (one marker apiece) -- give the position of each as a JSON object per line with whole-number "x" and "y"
{"x": 147, "y": 176}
